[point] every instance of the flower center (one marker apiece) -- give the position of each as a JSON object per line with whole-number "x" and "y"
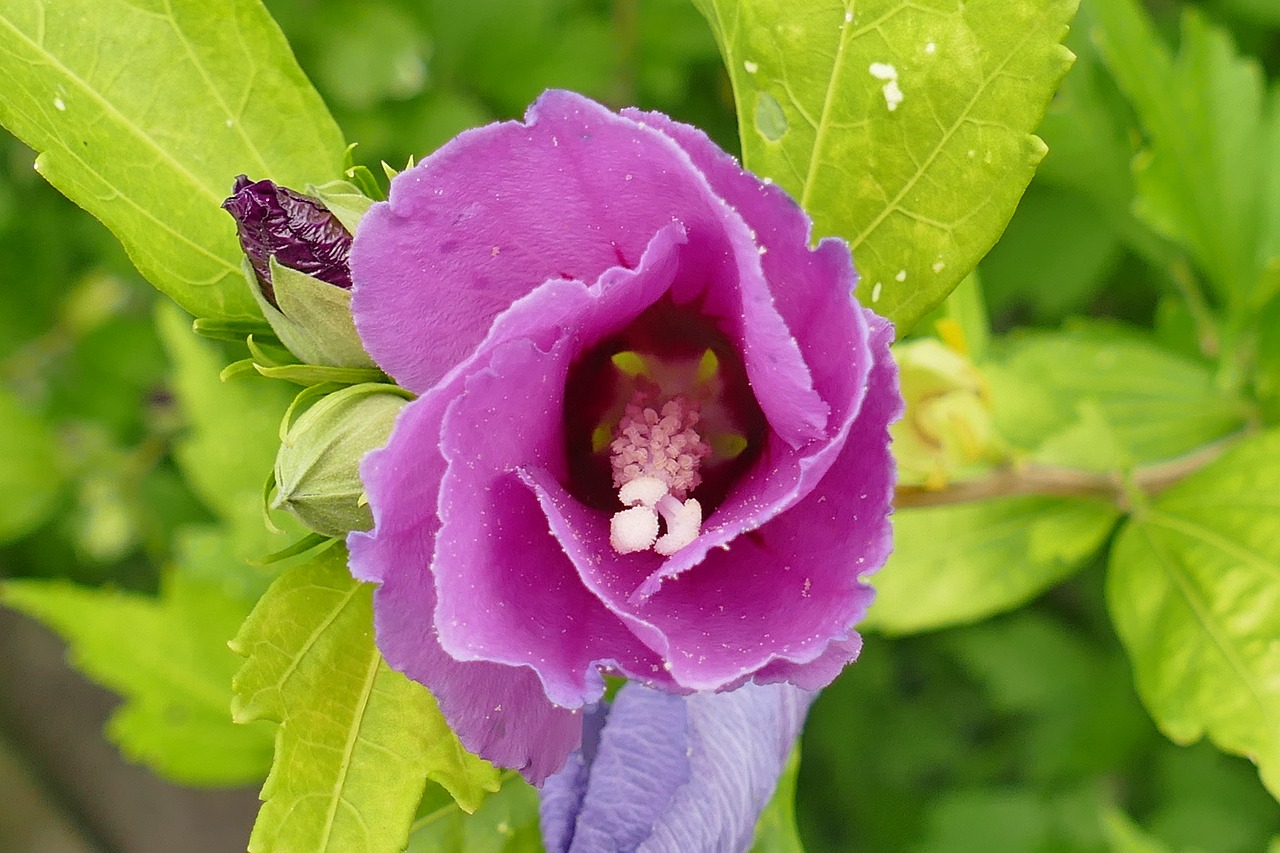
{"x": 655, "y": 456}
{"x": 655, "y": 413}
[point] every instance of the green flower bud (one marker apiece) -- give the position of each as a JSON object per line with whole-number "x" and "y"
{"x": 318, "y": 467}
{"x": 947, "y": 423}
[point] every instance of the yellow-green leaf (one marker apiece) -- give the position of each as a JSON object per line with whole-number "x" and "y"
{"x": 905, "y": 128}
{"x": 144, "y": 112}
{"x": 357, "y": 740}
{"x": 1194, "y": 591}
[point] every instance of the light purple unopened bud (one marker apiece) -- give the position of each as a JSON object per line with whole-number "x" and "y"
{"x": 298, "y": 231}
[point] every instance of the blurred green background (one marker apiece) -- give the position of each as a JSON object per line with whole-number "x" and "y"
{"x": 1022, "y": 733}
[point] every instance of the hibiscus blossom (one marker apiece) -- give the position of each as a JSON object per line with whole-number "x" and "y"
{"x": 651, "y": 432}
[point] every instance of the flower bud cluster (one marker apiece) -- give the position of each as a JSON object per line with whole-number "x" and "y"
{"x": 947, "y": 424}
{"x": 297, "y": 250}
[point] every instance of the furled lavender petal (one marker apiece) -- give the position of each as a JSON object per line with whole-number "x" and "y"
{"x": 298, "y": 231}
{"x": 674, "y": 775}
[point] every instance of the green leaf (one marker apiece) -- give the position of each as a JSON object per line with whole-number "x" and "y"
{"x": 1200, "y": 178}
{"x": 1125, "y": 836}
{"x": 903, "y": 127}
{"x": 961, "y": 563}
{"x": 357, "y": 740}
{"x": 1194, "y": 591}
{"x": 1089, "y": 128}
{"x": 310, "y": 375}
{"x": 776, "y": 831}
{"x": 234, "y": 431}
{"x": 991, "y": 820}
{"x": 30, "y": 471}
{"x": 1059, "y": 240}
{"x": 144, "y": 111}
{"x": 167, "y": 657}
{"x": 1156, "y": 404}
{"x": 507, "y": 822}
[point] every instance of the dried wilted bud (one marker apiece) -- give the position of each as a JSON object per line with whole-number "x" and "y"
{"x": 297, "y": 251}
{"x": 298, "y": 231}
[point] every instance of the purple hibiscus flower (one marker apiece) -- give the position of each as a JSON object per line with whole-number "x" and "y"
{"x": 651, "y": 436}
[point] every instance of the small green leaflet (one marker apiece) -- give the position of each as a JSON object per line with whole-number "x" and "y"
{"x": 167, "y": 657}
{"x": 1194, "y": 591}
{"x": 905, "y": 128}
{"x": 144, "y": 111}
{"x": 1204, "y": 180}
{"x": 998, "y": 555}
{"x": 357, "y": 740}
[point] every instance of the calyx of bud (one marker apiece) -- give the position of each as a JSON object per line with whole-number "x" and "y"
{"x": 317, "y": 470}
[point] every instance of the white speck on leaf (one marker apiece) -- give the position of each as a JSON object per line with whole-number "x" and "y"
{"x": 892, "y": 95}
{"x": 883, "y": 71}
{"x": 875, "y": 292}
{"x": 901, "y": 276}
{"x": 751, "y": 67}
{"x": 60, "y": 104}
{"x": 939, "y": 266}
{"x": 930, "y": 48}
{"x": 848, "y": 16}
{"x": 892, "y": 92}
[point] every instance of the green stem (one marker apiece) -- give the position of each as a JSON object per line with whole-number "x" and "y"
{"x": 1184, "y": 280}
{"x": 1121, "y": 488}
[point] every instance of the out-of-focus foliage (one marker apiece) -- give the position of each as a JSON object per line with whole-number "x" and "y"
{"x": 167, "y": 656}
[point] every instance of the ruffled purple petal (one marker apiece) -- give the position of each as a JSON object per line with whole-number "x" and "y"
{"x": 507, "y": 592}
{"x": 781, "y": 600}
{"x": 675, "y": 774}
{"x": 788, "y": 589}
{"x": 806, "y": 282}
{"x": 500, "y": 712}
{"x": 571, "y": 193}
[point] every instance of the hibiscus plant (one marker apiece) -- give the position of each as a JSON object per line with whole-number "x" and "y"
{"x": 549, "y": 455}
